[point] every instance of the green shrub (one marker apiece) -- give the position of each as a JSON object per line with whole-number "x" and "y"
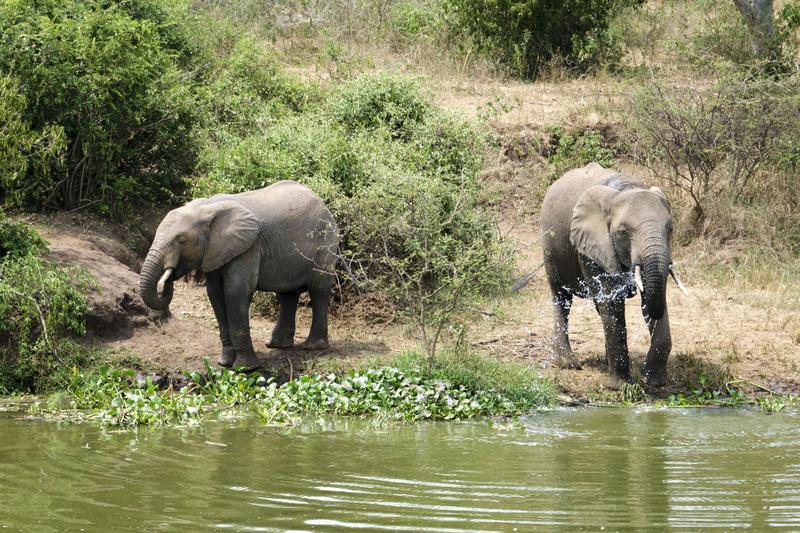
{"x": 107, "y": 74}
{"x": 306, "y": 148}
{"x": 249, "y": 88}
{"x": 424, "y": 242}
{"x": 383, "y": 100}
{"x": 573, "y": 149}
{"x": 447, "y": 146}
{"x": 18, "y": 240}
{"x": 413, "y": 20}
{"x": 41, "y": 306}
{"x": 24, "y": 151}
{"x": 525, "y": 35}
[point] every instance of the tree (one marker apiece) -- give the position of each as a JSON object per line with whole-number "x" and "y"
{"x": 760, "y": 19}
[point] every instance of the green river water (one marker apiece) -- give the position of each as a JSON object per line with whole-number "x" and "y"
{"x": 567, "y": 470}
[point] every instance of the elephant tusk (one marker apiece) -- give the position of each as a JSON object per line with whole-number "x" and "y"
{"x": 678, "y": 281}
{"x": 164, "y": 277}
{"x": 637, "y": 275}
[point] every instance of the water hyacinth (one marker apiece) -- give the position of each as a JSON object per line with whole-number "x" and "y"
{"x": 116, "y": 397}
{"x": 387, "y": 392}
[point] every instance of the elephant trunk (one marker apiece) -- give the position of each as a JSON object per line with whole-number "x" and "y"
{"x": 655, "y": 269}
{"x": 152, "y": 270}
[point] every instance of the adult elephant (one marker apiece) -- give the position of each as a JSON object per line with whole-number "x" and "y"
{"x": 601, "y": 231}
{"x": 281, "y": 238}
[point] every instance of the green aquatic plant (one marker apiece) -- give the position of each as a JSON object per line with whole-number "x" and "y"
{"x": 390, "y": 393}
{"x": 121, "y": 397}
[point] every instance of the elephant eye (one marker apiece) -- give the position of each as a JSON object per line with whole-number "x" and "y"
{"x": 623, "y": 231}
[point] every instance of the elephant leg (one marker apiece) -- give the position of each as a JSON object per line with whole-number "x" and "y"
{"x": 613, "y": 315}
{"x": 216, "y": 295}
{"x": 283, "y": 334}
{"x": 655, "y": 366}
{"x": 318, "y": 336}
{"x": 237, "y": 303}
{"x": 562, "y": 303}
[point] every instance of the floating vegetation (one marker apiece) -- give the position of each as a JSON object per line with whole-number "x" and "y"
{"x": 115, "y": 396}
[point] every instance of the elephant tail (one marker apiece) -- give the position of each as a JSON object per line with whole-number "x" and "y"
{"x": 523, "y": 280}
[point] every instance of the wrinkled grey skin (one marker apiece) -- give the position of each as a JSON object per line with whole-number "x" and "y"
{"x": 597, "y": 226}
{"x": 281, "y": 238}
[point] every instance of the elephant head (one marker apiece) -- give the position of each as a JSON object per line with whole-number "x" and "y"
{"x": 627, "y": 231}
{"x": 204, "y": 234}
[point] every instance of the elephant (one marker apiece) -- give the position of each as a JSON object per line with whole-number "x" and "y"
{"x": 281, "y": 238}
{"x": 605, "y": 235}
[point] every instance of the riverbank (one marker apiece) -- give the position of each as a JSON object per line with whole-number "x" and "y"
{"x": 740, "y": 324}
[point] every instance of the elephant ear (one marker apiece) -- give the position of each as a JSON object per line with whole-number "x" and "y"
{"x": 232, "y": 230}
{"x": 589, "y": 227}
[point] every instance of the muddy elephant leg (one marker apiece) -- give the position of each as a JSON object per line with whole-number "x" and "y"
{"x": 318, "y": 336}
{"x": 216, "y": 295}
{"x": 613, "y": 315}
{"x": 238, "y": 295}
{"x": 655, "y": 366}
{"x": 562, "y": 303}
{"x": 283, "y": 334}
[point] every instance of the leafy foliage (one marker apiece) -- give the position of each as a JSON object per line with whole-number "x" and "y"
{"x": 525, "y": 35}
{"x": 18, "y": 240}
{"x": 24, "y": 151}
{"x": 104, "y": 87}
{"x": 573, "y": 149}
{"x": 369, "y": 102}
{"x": 41, "y": 307}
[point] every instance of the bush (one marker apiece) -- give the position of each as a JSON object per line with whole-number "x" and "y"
{"x": 247, "y": 88}
{"x": 24, "y": 151}
{"x": 108, "y": 75}
{"x": 306, "y": 148}
{"x": 573, "y": 149}
{"x": 731, "y": 143}
{"x": 382, "y": 100}
{"x": 18, "y": 240}
{"x": 525, "y": 35}
{"x": 400, "y": 177}
{"x": 424, "y": 242}
{"x": 41, "y": 307}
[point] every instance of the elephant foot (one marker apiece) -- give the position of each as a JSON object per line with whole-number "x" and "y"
{"x": 314, "y": 344}
{"x": 280, "y": 344}
{"x": 228, "y": 357}
{"x": 615, "y": 382}
{"x": 655, "y": 378}
{"x": 567, "y": 360}
{"x": 246, "y": 363}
